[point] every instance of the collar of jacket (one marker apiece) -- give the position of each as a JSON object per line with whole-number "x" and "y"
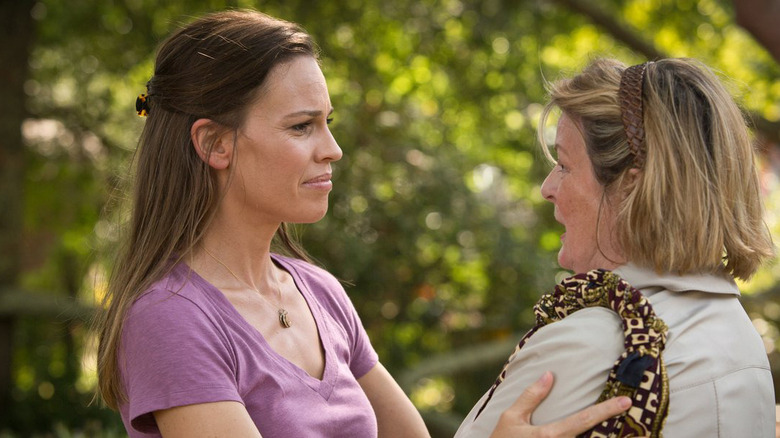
{"x": 647, "y": 279}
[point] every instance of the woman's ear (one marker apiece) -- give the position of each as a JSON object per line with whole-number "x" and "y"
{"x": 633, "y": 175}
{"x": 630, "y": 179}
{"x": 213, "y": 145}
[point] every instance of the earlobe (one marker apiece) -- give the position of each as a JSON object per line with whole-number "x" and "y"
{"x": 633, "y": 174}
{"x": 211, "y": 144}
{"x": 630, "y": 179}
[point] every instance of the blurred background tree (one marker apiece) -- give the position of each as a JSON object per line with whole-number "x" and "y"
{"x": 436, "y": 220}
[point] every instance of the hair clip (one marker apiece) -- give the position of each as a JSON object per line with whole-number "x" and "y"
{"x": 142, "y": 105}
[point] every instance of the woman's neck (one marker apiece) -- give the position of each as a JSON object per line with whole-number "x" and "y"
{"x": 231, "y": 252}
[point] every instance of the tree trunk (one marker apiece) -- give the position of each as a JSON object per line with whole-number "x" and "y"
{"x": 612, "y": 26}
{"x": 16, "y": 28}
{"x": 761, "y": 18}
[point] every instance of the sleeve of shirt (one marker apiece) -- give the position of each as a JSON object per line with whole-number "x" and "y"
{"x": 172, "y": 354}
{"x": 579, "y": 350}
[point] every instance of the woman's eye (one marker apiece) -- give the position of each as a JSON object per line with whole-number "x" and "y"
{"x": 301, "y": 127}
{"x": 561, "y": 167}
{"x": 306, "y": 127}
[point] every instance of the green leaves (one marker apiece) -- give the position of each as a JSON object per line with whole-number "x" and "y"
{"x": 436, "y": 217}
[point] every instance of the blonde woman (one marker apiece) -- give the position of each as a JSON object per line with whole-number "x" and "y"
{"x": 656, "y": 187}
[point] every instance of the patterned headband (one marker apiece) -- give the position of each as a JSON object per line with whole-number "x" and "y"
{"x": 630, "y": 97}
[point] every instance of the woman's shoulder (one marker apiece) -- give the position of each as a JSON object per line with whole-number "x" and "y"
{"x": 179, "y": 292}
{"x": 588, "y": 328}
{"x": 179, "y": 311}
{"x": 302, "y": 266}
{"x": 324, "y": 286}
{"x": 316, "y": 277}
{"x": 579, "y": 350}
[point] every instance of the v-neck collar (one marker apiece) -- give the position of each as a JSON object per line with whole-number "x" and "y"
{"x": 322, "y": 386}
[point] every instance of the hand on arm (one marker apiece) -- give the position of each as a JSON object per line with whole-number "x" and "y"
{"x": 219, "y": 419}
{"x": 516, "y": 421}
{"x": 395, "y": 414}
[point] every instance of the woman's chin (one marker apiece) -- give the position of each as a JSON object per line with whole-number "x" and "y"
{"x": 563, "y": 262}
{"x": 309, "y": 217}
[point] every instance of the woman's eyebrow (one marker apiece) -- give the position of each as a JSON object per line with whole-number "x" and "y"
{"x": 310, "y": 113}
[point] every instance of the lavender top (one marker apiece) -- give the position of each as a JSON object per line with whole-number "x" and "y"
{"x": 184, "y": 343}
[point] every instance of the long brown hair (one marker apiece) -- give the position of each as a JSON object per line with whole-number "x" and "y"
{"x": 696, "y": 204}
{"x": 212, "y": 68}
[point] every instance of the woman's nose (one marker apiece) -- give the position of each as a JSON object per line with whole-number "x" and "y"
{"x": 549, "y": 186}
{"x": 329, "y": 150}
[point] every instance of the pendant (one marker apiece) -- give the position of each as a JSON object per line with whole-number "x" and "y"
{"x": 283, "y": 319}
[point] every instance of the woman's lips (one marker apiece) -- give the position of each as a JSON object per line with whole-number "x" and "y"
{"x": 321, "y": 182}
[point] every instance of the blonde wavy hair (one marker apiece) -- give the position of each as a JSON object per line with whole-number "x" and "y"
{"x": 695, "y": 205}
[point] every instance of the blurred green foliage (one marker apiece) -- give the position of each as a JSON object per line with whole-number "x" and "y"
{"x": 436, "y": 219}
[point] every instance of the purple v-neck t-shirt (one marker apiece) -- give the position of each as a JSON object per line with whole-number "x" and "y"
{"x": 184, "y": 343}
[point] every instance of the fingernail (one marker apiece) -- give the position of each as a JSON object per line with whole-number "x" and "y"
{"x": 545, "y": 377}
{"x": 624, "y": 402}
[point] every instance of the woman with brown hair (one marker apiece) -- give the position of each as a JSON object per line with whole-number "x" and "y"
{"x": 656, "y": 186}
{"x": 207, "y": 329}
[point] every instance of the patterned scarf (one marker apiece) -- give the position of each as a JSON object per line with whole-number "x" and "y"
{"x": 638, "y": 373}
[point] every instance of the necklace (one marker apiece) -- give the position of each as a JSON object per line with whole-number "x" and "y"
{"x": 284, "y": 320}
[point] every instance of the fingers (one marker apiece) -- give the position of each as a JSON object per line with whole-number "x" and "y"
{"x": 516, "y": 421}
{"x": 589, "y": 417}
{"x": 529, "y": 400}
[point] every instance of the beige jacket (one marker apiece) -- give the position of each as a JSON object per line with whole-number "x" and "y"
{"x": 719, "y": 376}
